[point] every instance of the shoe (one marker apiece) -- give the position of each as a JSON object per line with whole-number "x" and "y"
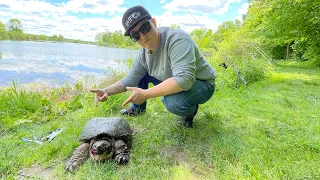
{"x": 187, "y": 121}
{"x": 131, "y": 112}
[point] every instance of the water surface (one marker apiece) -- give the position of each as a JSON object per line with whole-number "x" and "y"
{"x": 54, "y": 64}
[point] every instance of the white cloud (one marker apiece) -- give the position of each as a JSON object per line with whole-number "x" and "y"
{"x": 200, "y": 6}
{"x": 199, "y": 10}
{"x": 242, "y": 10}
{"x": 187, "y": 22}
{"x": 94, "y": 6}
{"x": 162, "y": 1}
{"x": 29, "y": 7}
{"x": 39, "y": 17}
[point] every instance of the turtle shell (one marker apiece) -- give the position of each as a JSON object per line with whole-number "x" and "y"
{"x": 113, "y": 127}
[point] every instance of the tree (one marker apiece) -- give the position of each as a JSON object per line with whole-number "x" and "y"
{"x": 2, "y": 27}
{"x": 175, "y": 26}
{"x": 287, "y": 26}
{"x": 197, "y": 34}
{"x": 3, "y": 33}
{"x": 60, "y": 37}
{"x": 14, "y": 25}
{"x": 98, "y": 36}
{"x": 225, "y": 30}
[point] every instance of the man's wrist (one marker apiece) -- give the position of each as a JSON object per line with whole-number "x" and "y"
{"x": 105, "y": 90}
{"x": 146, "y": 94}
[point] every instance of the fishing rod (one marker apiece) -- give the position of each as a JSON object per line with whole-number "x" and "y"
{"x": 263, "y": 54}
{"x": 214, "y": 44}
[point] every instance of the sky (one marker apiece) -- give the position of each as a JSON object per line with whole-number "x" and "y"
{"x": 84, "y": 19}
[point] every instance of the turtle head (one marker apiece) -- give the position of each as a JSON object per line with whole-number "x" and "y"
{"x": 101, "y": 149}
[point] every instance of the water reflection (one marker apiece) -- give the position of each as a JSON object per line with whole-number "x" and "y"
{"x": 49, "y": 79}
{"x": 58, "y": 63}
{"x": 83, "y": 68}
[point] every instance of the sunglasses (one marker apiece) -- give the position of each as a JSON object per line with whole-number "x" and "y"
{"x": 144, "y": 28}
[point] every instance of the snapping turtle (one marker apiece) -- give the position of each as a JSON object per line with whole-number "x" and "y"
{"x": 102, "y": 138}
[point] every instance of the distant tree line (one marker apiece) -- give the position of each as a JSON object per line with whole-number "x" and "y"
{"x": 13, "y": 30}
{"x": 115, "y": 39}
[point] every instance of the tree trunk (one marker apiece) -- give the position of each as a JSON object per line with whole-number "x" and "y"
{"x": 288, "y": 51}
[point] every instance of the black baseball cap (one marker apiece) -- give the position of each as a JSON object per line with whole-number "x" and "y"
{"x": 133, "y": 16}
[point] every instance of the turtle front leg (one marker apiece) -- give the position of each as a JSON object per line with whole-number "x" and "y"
{"x": 79, "y": 156}
{"x": 121, "y": 152}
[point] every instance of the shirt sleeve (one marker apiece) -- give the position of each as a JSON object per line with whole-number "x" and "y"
{"x": 183, "y": 61}
{"x": 136, "y": 72}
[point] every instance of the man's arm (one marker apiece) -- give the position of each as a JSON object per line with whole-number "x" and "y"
{"x": 139, "y": 96}
{"x": 115, "y": 88}
{"x": 167, "y": 87}
{"x": 102, "y": 94}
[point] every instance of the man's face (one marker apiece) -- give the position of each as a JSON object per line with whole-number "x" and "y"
{"x": 148, "y": 40}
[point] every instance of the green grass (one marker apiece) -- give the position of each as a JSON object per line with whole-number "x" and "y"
{"x": 267, "y": 130}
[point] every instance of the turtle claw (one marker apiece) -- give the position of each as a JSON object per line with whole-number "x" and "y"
{"x": 70, "y": 168}
{"x": 122, "y": 158}
{"x": 79, "y": 156}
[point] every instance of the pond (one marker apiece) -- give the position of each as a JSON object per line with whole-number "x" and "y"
{"x": 55, "y": 64}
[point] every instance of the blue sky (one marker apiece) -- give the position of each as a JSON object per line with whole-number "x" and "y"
{"x": 83, "y": 19}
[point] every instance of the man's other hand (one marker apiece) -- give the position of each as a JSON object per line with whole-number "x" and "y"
{"x": 138, "y": 96}
{"x": 100, "y": 95}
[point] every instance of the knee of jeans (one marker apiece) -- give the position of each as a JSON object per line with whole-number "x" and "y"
{"x": 173, "y": 106}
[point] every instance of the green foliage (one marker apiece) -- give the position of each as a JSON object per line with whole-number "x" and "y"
{"x": 3, "y": 32}
{"x": 277, "y": 23}
{"x": 175, "y": 26}
{"x": 14, "y": 31}
{"x": 19, "y": 105}
{"x": 197, "y": 35}
{"x": 115, "y": 39}
{"x": 278, "y": 51}
{"x": 2, "y": 27}
{"x": 14, "y": 25}
{"x": 225, "y": 30}
{"x": 277, "y": 29}
{"x": 299, "y": 48}
{"x": 231, "y": 45}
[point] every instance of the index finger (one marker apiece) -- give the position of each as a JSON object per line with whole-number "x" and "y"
{"x": 93, "y": 90}
{"x": 96, "y": 100}
{"x": 127, "y": 101}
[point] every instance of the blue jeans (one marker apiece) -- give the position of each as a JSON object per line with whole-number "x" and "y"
{"x": 183, "y": 103}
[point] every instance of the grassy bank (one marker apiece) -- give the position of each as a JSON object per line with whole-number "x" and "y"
{"x": 268, "y": 130}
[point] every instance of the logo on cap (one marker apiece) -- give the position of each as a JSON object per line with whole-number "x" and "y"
{"x": 134, "y": 15}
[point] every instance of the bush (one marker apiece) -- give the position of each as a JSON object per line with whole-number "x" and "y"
{"x": 299, "y": 48}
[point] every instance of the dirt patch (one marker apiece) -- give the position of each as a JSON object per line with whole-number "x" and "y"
{"x": 36, "y": 172}
{"x": 181, "y": 158}
{"x": 177, "y": 155}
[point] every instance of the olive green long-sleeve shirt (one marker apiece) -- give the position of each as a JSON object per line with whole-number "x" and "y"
{"x": 177, "y": 56}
